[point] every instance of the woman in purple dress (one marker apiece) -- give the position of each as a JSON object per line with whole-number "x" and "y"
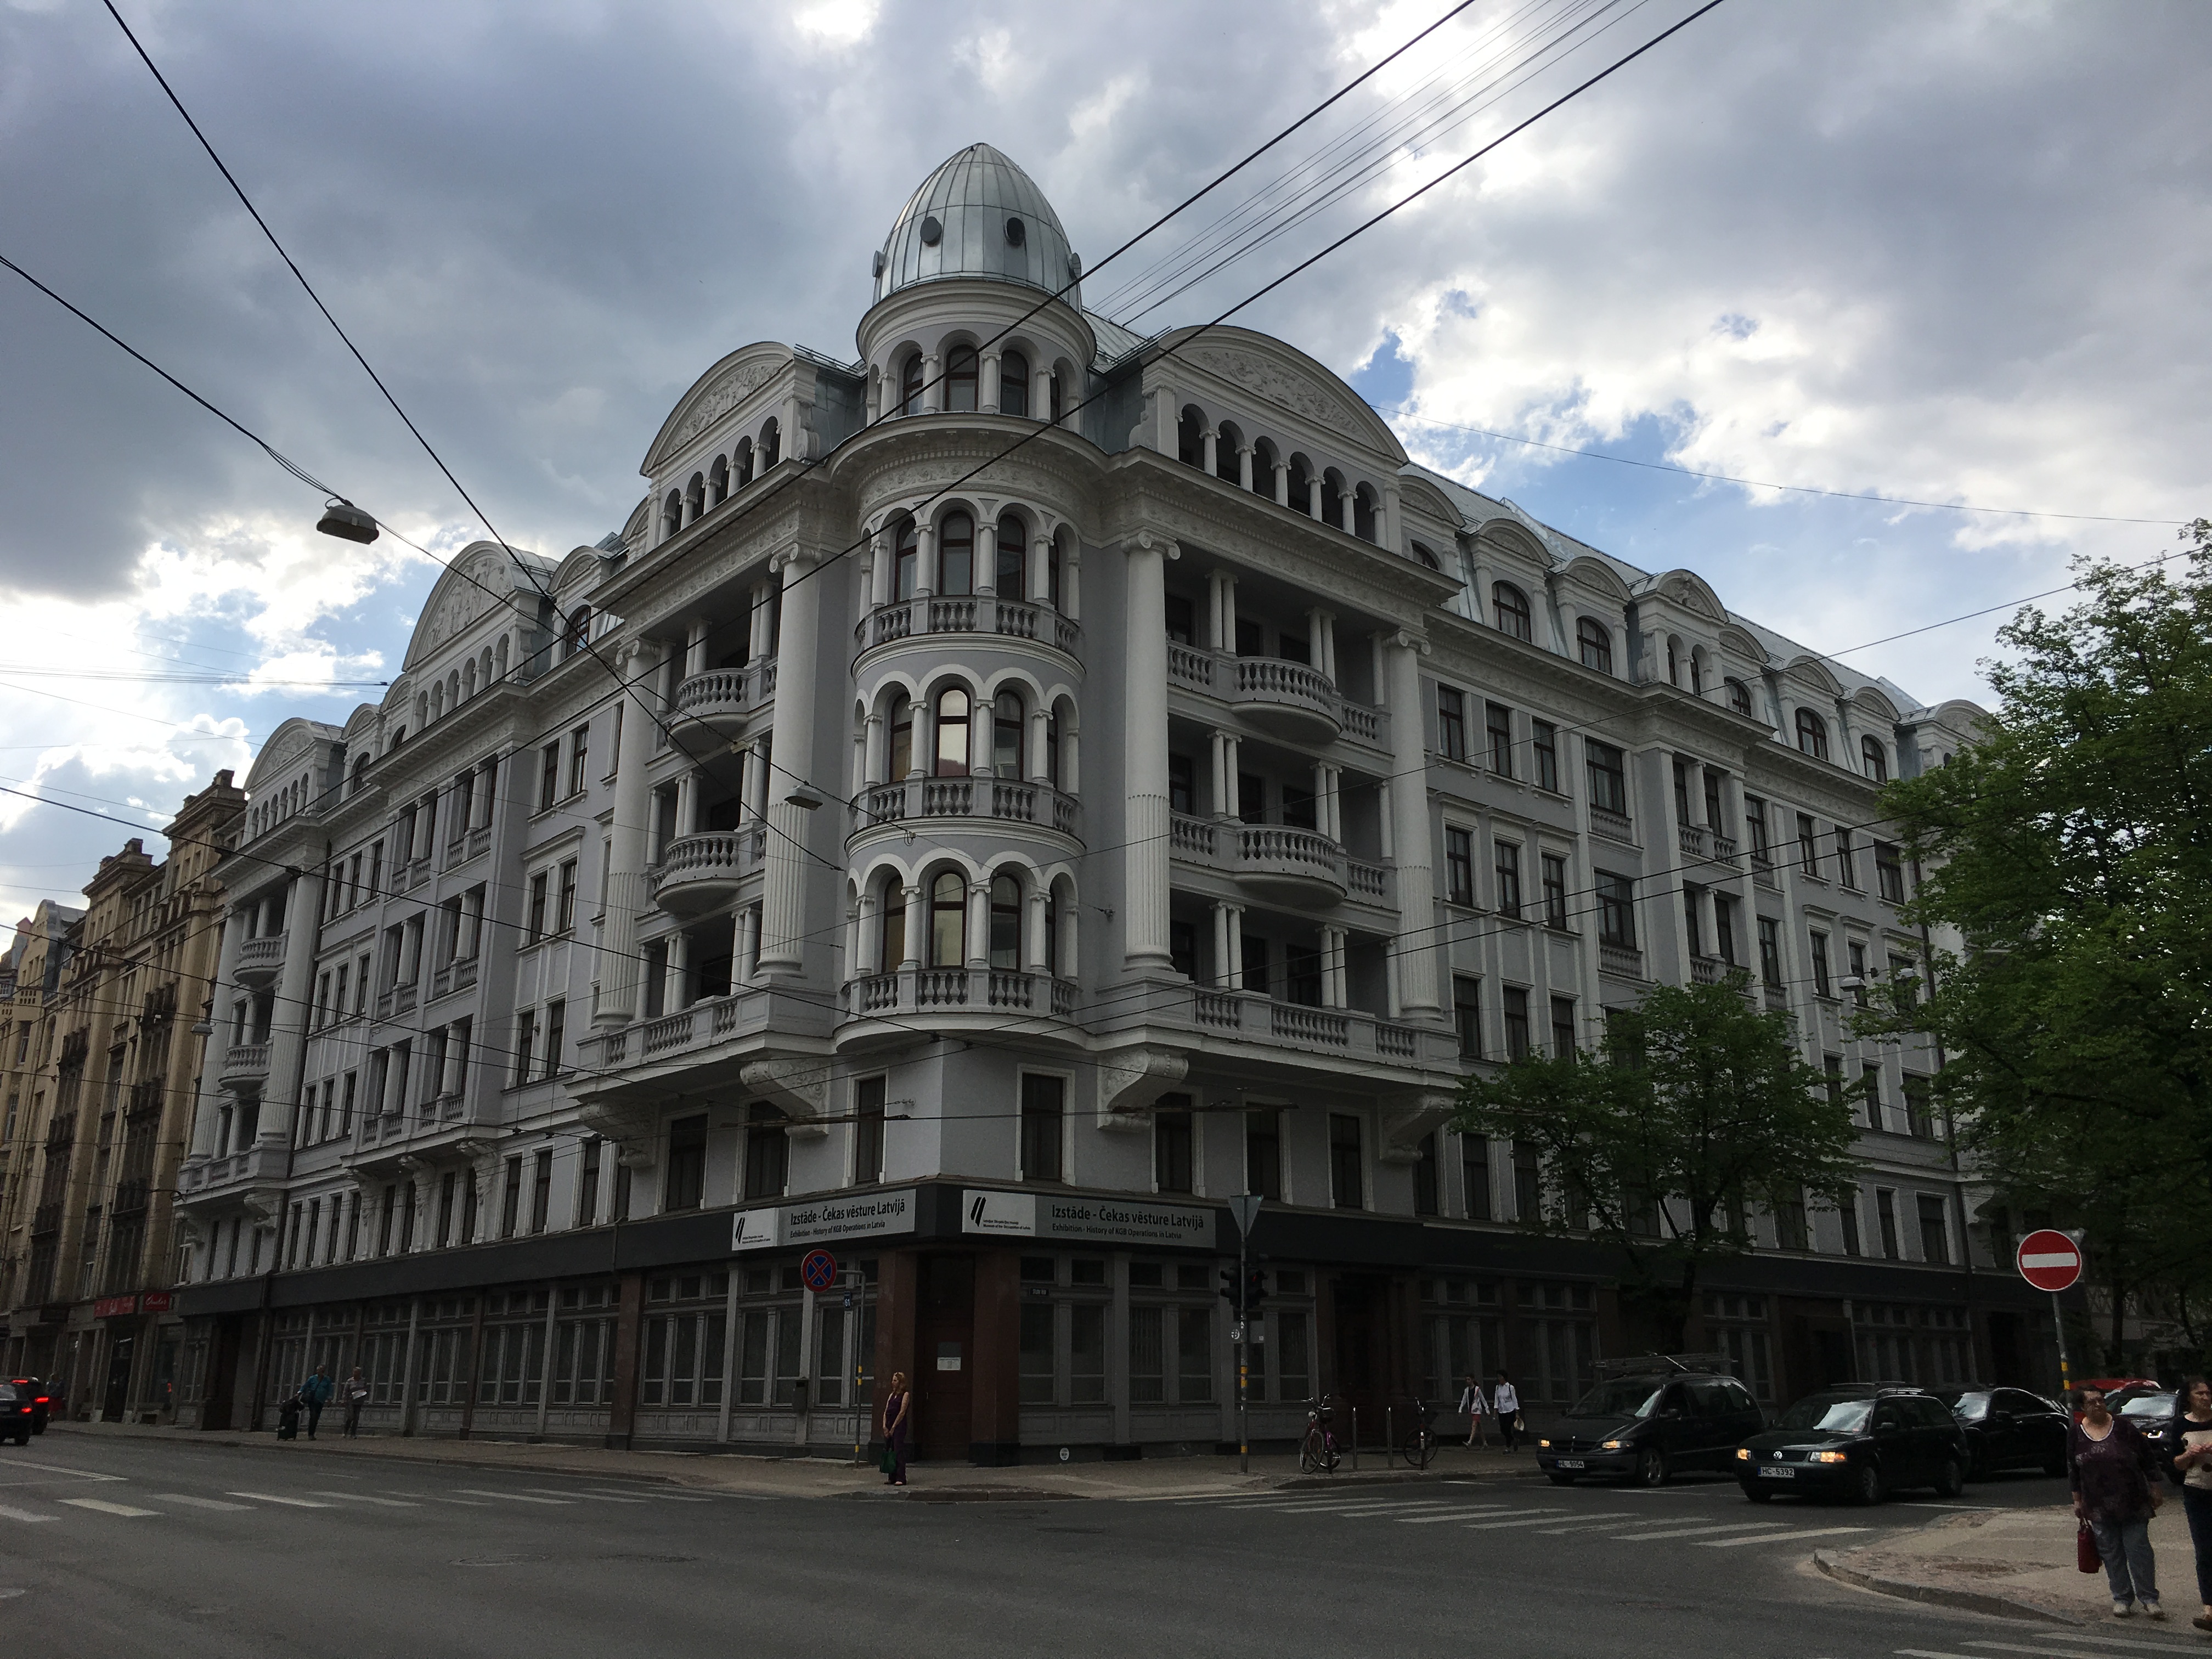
{"x": 2114, "y": 1473}
{"x": 899, "y": 1419}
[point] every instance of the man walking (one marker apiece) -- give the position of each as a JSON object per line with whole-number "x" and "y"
{"x": 1505, "y": 1401}
{"x": 357, "y": 1396}
{"x": 315, "y": 1393}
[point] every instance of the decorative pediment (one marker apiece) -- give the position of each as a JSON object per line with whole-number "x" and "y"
{"x": 1264, "y": 380}
{"x": 1279, "y": 375}
{"x": 1691, "y": 593}
{"x": 720, "y": 390}
{"x": 1811, "y": 670}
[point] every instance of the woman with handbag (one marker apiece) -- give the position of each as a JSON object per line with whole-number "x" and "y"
{"x": 2192, "y": 1468}
{"x": 898, "y": 1414}
{"x": 2112, "y": 1470}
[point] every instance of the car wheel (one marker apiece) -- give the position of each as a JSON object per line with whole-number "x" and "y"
{"x": 1870, "y": 1487}
{"x": 1757, "y": 1494}
{"x": 1563, "y": 1480}
{"x": 1651, "y": 1469}
{"x": 1950, "y": 1479}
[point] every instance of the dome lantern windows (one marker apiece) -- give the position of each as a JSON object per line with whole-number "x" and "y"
{"x": 1014, "y": 385}
{"x": 955, "y": 554}
{"x": 961, "y": 376}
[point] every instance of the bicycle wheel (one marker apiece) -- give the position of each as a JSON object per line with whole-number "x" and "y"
{"x": 1420, "y": 1448}
{"x": 1312, "y": 1452}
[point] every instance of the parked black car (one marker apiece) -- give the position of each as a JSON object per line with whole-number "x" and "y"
{"x": 1841, "y": 1443}
{"x": 16, "y": 1409}
{"x": 36, "y": 1388}
{"x": 2152, "y": 1415}
{"x": 1647, "y": 1427}
{"x": 2008, "y": 1428}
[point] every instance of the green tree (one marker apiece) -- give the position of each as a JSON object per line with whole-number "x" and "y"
{"x": 2070, "y": 847}
{"x": 1692, "y": 1109}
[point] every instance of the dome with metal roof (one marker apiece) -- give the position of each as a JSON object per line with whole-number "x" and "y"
{"x": 978, "y": 215}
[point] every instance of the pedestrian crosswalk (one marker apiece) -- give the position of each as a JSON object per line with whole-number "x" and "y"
{"x": 2057, "y": 1644}
{"x": 31, "y": 1509}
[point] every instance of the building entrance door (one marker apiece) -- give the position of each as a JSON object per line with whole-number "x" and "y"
{"x": 222, "y": 1375}
{"x": 1363, "y": 1371}
{"x": 119, "y": 1380}
{"x": 944, "y": 1355}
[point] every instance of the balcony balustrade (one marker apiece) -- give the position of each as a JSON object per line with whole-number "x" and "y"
{"x": 1290, "y": 699}
{"x": 1251, "y": 1016}
{"x": 1007, "y": 801}
{"x": 723, "y": 699}
{"x": 979, "y": 613}
{"x": 1297, "y": 866}
{"x": 699, "y": 871}
{"x": 246, "y": 1062}
{"x": 259, "y": 960}
{"x": 916, "y": 990}
{"x": 1623, "y": 959}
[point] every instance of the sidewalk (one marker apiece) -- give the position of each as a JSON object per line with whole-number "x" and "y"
{"x": 2018, "y": 1564}
{"x": 818, "y": 1477}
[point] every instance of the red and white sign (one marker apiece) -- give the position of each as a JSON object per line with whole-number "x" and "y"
{"x": 114, "y": 1307}
{"x": 156, "y": 1302}
{"x": 2049, "y": 1260}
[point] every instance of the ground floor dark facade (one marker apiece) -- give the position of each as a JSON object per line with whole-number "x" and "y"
{"x": 1034, "y": 1325}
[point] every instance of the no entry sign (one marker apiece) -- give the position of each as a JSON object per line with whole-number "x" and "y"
{"x": 819, "y": 1270}
{"x": 2049, "y": 1260}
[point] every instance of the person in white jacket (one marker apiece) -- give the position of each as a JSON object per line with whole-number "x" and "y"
{"x": 1473, "y": 1402}
{"x": 1505, "y": 1401}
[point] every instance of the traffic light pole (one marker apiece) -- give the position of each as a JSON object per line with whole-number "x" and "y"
{"x": 1243, "y": 1353}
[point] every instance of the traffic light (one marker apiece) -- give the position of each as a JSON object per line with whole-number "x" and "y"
{"x": 1255, "y": 1289}
{"x": 1229, "y": 1284}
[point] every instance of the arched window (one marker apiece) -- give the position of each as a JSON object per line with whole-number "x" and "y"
{"x": 1363, "y": 514}
{"x": 1012, "y": 579}
{"x": 1006, "y": 735}
{"x": 906, "y": 562}
{"x": 1511, "y": 606}
{"x": 1812, "y": 734}
{"x": 579, "y": 633}
{"x": 1594, "y": 641}
{"x": 1301, "y": 486}
{"x": 745, "y": 463}
{"x": 771, "y": 446}
{"x": 900, "y": 759}
{"x": 1057, "y": 406}
{"x": 1006, "y": 922}
{"x": 1332, "y": 500}
{"x": 1190, "y": 439}
{"x": 717, "y": 483}
{"x": 1674, "y": 665}
{"x": 1739, "y": 697}
{"x": 1013, "y": 384}
{"x": 1226, "y": 443}
{"x": 1697, "y": 674}
{"x": 672, "y": 514}
{"x": 948, "y": 920}
{"x": 1877, "y": 762}
{"x": 1264, "y": 462}
{"x": 1052, "y": 573}
{"x": 963, "y": 369}
{"x": 695, "y": 495}
{"x": 891, "y": 903}
{"x": 1052, "y": 750}
{"x": 955, "y": 554}
{"x": 1426, "y": 558}
{"x": 910, "y": 386}
{"x": 952, "y": 733}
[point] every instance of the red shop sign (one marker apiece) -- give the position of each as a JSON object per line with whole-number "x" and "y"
{"x": 156, "y": 1302}
{"x": 113, "y": 1307}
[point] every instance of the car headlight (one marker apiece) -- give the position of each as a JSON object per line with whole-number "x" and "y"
{"x": 1829, "y": 1457}
{"x": 1544, "y": 1444}
{"x": 1743, "y": 1454}
{"x": 1612, "y": 1446}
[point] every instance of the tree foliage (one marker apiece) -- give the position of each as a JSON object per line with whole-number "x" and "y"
{"x": 2070, "y": 847}
{"x": 1693, "y": 1109}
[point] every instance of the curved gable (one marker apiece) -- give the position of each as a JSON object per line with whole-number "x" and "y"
{"x": 1511, "y": 536}
{"x": 1811, "y": 670}
{"x": 1874, "y": 701}
{"x": 297, "y": 742}
{"x": 1743, "y": 645}
{"x": 712, "y": 396}
{"x": 1691, "y": 591}
{"x": 465, "y": 594}
{"x": 1281, "y": 374}
{"x": 1597, "y": 573}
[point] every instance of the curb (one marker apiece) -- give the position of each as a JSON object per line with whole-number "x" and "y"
{"x": 1942, "y": 1596}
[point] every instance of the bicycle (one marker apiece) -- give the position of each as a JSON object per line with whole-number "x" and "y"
{"x": 1318, "y": 1452}
{"x": 1420, "y": 1448}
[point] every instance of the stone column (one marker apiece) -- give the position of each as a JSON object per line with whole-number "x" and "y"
{"x": 932, "y": 386}
{"x": 216, "y": 1048}
{"x": 1416, "y": 949}
{"x": 875, "y": 749}
{"x": 985, "y": 574}
{"x": 1313, "y": 498}
{"x": 1210, "y": 450}
{"x": 978, "y": 923}
{"x": 1145, "y": 664}
{"x": 925, "y": 563}
{"x": 748, "y": 935}
{"x": 1223, "y": 926}
{"x": 1244, "y": 466}
{"x": 1282, "y": 491}
{"x": 757, "y": 638}
{"x": 1321, "y": 624}
{"x": 1040, "y": 570}
{"x": 987, "y": 398}
{"x": 1387, "y": 530}
{"x": 917, "y": 926}
{"x": 886, "y": 566}
{"x": 695, "y": 649}
{"x": 620, "y": 978}
{"x": 1328, "y": 801}
{"x": 295, "y": 985}
{"x": 674, "y": 985}
{"x": 783, "y": 908}
{"x": 1039, "y": 765}
{"x": 1219, "y": 799}
{"x": 1035, "y": 949}
{"x": 868, "y": 935}
{"x": 1041, "y": 394}
{"x": 1332, "y": 967}
{"x": 1236, "y": 946}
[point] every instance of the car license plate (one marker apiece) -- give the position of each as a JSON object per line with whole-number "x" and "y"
{"x": 1770, "y": 1472}
{"x": 1571, "y": 1463}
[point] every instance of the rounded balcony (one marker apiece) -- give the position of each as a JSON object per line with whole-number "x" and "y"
{"x": 246, "y": 1062}
{"x": 1292, "y": 867}
{"x": 951, "y": 618}
{"x": 723, "y": 699}
{"x": 259, "y": 960}
{"x": 702, "y": 871}
{"x": 995, "y": 800}
{"x": 1289, "y": 699}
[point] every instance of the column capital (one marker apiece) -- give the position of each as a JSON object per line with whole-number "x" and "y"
{"x": 799, "y": 558}
{"x": 1149, "y": 541}
{"x": 1407, "y": 639}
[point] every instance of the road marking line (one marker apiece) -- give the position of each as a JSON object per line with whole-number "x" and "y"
{"x": 672, "y": 1497}
{"x": 1454, "y": 1515}
{"x": 1594, "y": 1522}
{"x": 1371, "y": 1505}
{"x": 1978, "y": 1508}
{"x": 516, "y": 1497}
{"x": 1695, "y": 1532}
{"x": 1778, "y": 1537}
{"x": 2102, "y": 1640}
{"x": 1525, "y": 1515}
{"x": 271, "y": 1498}
{"x": 105, "y": 1508}
{"x": 57, "y": 1468}
{"x": 202, "y": 1503}
{"x": 28, "y": 1517}
{"x": 363, "y": 1498}
{"x": 1931, "y": 1653}
{"x": 597, "y": 1497}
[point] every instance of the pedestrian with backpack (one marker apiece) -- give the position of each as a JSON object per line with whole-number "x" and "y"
{"x": 315, "y": 1393}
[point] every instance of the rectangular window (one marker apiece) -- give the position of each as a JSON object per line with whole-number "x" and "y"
{"x": 1884, "y": 1206}
{"x": 1451, "y": 723}
{"x": 1466, "y": 1015}
{"x": 1424, "y": 1177}
{"x": 1086, "y": 1354}
{"x": 868, "y": 1130}
{"x": 510, "y": 1201}
{"x": 1935, "y": 1238}
{"x": 1182, "y": 947}
{"x": 564, "y": 910}
{"x": 587, "y": 1183}
{"x": 1562, "y": 1028}
{"x": 1855, "y": 953}
{"x": 1544, "y": 747}
{"x": 1255, "y": 962}
{"x": 1919, "y": 1117}
{"x": 1474, "y": 1176}
{"x": 1043, "y": 1108}
{"x": 1608, "y": 778}
{"x": 1459, "y": 866}
{"x": 1528, "y": 1183}
{"x": 1346, "y": 1169}
{"x": 1148, "y": 1380}
{"x": 1517, "y": 1022}
{"x": 1870, "y": 1081}
{"x": 1555, "y": 891}
{"x": 1251, "y": 798}
{"x": 580, "y": 745}
{"x": 1725, "y": 927}
{"x": 1888, "y": 872}
{"x": 1263, "y": 1153}
{"x": 687, "y": 1163}
{"x": 1508, "y": 878}
{"x": 1497, "y": 725}
{"x": 525, "y": 1044}
{"x": 1171, "y": 1148}
{"x": 1850, "y": 1217}
{"x": 1036, "y": 1351}
{"x": 541, "y": 1192}
{"x": 1713, "y": 810}
{"x": 1692, "y": 903}
{"x": 1754, "y": 826}
{"x": 548, "y": 775}
{"x": 1616, "y": 910}
{"x": 1770, "y": 950}
{"x": 1847, "y": 861}
{"x": 1809, "y": 845}
{"x": 1683, "y": 770}
{"x": 1193, "y": 1355}
{"x": 556, "y": 1034}
{"x": 1820, "y": 985}
{"x": 1832, "y": 1065}
{"x": 1299, "y": 811}
{"x": 767, "y": 1152}
{"x": 1182, "y": 795}
{"x": 1293, "y": 1377}
{"x": 533, "y": 927}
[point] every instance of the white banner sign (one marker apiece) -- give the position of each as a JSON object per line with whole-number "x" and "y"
{"x": 821, "y": 1221}
{"x": 1094, "y": 1220}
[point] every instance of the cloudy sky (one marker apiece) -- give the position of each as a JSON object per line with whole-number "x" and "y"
{"x": 1950, "y": 250}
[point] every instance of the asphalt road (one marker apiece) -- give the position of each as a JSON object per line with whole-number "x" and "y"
{"x": 127, "y": 1548}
